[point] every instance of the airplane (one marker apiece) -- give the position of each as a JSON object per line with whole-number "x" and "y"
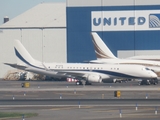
{"x": 101, "y": 52}
{"x": 146, "y": 57}
{"x": 85, "y": 71}
{"x": 104, "y": 55}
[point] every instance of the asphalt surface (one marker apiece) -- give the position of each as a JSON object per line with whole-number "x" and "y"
{"x": 84, "y": 102}
{"x": 66, "y": 101}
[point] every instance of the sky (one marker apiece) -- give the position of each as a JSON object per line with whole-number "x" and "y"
{"x": 13, "y": 8}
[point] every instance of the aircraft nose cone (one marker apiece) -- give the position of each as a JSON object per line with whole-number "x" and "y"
{"x": 153, "y": 75}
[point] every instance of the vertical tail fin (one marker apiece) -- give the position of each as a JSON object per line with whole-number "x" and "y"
{"x": 101, "y": 49}
{"x": 23, "y": 56}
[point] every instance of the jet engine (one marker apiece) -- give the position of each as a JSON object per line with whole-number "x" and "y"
{"x": 94, "y": 78}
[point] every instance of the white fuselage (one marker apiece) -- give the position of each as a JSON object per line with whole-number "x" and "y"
{"x": 154, "y": 65}
{"x": 146, "y": 57}
{"x": 104, "y": 70}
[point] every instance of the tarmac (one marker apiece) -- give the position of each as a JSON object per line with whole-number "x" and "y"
{"x": 66, "y": 101}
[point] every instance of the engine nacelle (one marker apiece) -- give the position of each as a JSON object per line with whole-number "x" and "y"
{"x": 94, "y": 78}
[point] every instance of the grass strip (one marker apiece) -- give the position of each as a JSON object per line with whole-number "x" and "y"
{"x": 16, "y": 115}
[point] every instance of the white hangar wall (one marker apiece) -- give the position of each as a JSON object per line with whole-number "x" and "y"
{"x": 47, "y": 45}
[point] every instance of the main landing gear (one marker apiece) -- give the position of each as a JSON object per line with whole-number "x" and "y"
{"x": 149, "y": 82}
{"x": 83, "y": 83}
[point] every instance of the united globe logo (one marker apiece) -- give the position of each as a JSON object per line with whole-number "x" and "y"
{"x": 154, "y": 20}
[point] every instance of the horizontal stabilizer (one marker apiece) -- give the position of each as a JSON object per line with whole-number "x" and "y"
{"x": 16, "y": 66}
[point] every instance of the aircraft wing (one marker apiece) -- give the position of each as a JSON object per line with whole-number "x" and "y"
{"x": 59, "y": 74}
{"x": 52, "y": 73}
{"x": 73, "y": 73}
{"x": 46, "y": 71}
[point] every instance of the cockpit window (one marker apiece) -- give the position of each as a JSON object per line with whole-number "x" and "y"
{"x": 147, "y": 68}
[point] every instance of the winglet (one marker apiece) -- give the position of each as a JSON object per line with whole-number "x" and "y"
{"x": 45, "y": 67}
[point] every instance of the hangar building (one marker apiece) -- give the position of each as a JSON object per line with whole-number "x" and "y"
{"x": 60, "y": 32}
{"x": 128, "y": 27}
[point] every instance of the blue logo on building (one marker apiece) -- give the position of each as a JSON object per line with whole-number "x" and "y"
{"x": 154, "y": 20}
{"x": 121, "y": 20}
{"x": 125, "y": 20}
